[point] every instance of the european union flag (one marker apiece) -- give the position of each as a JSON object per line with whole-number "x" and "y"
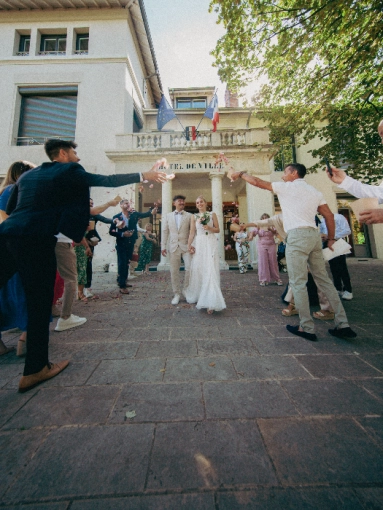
{"x": 165, "y": 113}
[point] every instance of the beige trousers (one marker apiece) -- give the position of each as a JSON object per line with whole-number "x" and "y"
{"x": 175, "y": 263}
{"x": 304, "y": 248}
{"x": 67, "y": 267}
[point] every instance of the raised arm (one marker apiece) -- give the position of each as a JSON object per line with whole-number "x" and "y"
{"x": 325, "y": 211}
{"x": 254, "y": 181}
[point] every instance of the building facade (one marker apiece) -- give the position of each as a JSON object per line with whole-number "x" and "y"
{"x": 86, "y": 70}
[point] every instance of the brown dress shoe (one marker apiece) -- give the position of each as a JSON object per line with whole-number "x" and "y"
{"x": 27, "y": 382}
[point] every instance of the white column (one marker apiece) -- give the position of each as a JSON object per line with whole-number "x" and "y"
{"x": 166, "y": 208}
{"x": 216, "y": 194}
{"x": 259, "y": 201}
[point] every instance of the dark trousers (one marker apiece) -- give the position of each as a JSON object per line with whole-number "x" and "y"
{"x": 339, "y": 271}
{"x": 124, "y": 250}
{"x": 35, "y": 261}
{"x": 89, "y": 270}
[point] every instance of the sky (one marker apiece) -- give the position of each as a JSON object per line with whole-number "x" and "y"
{"x": 183, "y": 34}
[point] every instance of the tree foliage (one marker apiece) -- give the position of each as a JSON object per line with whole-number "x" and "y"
{"x": 319, "y": 61}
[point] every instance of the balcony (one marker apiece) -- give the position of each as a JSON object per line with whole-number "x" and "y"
{"x": 205, "y": 140}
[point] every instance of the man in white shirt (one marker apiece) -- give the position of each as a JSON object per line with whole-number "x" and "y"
{"x": 299, "y": 203}
{"x": 338, "y": 265}
{"x": 360, "y": 190}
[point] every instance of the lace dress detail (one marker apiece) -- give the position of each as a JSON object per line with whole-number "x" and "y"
{"x": 204, "y": 284}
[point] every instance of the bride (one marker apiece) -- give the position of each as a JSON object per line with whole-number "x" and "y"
{"x": 204, "y": 284}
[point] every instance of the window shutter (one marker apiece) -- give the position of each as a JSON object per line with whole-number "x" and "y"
{"x": 47, "y": 116}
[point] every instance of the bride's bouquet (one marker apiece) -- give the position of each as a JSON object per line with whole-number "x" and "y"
{"x": 203, "y": 219}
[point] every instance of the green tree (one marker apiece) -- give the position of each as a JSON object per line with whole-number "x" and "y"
{"x": 321, "y": 64}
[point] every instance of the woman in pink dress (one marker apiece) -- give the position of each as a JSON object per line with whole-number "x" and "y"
{"x": 267, "y": 255}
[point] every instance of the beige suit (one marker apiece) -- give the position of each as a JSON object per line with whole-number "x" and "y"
{"x": 175, "y": 241}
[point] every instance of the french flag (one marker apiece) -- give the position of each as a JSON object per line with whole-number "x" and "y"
{"x": 212, "y": 112}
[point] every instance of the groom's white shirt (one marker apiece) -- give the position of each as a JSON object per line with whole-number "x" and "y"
{"x": 175, "y": 231}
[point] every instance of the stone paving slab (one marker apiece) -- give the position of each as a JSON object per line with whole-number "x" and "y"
{"x": 65, "y": 406}
{"x": 270, "y": 367}
{"x": 246, "y": 399}
{"x": 123, "y": 371}
{"x": 17, "y": 448}
{"x": 171, "y": 349}
{"x": 231, "y": 410}
{"x": 160, "y": 402}
{"x": 325, "y": 450}
{"x": 100, "y": 351}
{"x": 339, "y": 366}
{"x": 335, "y": 397}
{"x": 224, "y": 346}
{"x": 204, "y": 454}
{"x": 11, "y": 403}
{"x": 288, "y": 499}
{"x": 211, "y": 368}
{"x": 165, "y": 502}
{"x": 66, "y": 465}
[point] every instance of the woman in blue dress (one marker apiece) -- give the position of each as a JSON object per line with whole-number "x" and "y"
{"x": 13, "y": 310}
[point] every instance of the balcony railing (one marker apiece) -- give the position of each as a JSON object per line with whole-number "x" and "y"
{"x": 22, "y": 53}
{"x": 204, "y": 140}
{"x": 81, "y": 52}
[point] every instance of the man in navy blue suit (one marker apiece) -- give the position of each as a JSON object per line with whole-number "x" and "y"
{"x": 126, "y": 236}
{"x": 49, "y": 199}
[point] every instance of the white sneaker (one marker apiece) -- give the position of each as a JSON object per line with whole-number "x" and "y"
{"x": 71, "y": 322}
{"x": 176, "y": 299}
{"x": 347, "y": 295}
{"x": 88, "y": 293}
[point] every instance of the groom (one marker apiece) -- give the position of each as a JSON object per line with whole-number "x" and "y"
{"x": 175, "y": 229}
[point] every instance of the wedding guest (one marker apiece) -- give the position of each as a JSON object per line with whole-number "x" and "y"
{"x": 93, "y": 238}
{"x": 300, "y": 203}
{"x": 13, "y": 309}
{"x": 267, "y": 254}
{"x": 338, "y": 265}
{"x": 146, "y": 249}
{"x": 361, "y": 190}
{"x": 242, "y": 239}
{"x": 124, "y": 229}
{"x": 49, "y": 199}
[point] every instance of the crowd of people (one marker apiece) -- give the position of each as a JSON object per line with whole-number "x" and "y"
{"x": 46, "y": 214}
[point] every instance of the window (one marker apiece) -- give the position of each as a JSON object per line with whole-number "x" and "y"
{"x": 24, "y": 45}
{"x": 53, "y": 44}
{"x": 82, "y": 44}
{"x": 47, "y": 112}
{"x": 199, "y": 102}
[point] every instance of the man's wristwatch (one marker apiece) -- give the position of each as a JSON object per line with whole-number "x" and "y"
{"x": 240, "y": 174}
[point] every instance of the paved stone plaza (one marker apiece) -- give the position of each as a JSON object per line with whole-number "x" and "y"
{"x": 231, "y": 411}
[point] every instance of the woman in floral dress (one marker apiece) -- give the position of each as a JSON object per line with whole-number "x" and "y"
{"x": 146, "y": 249}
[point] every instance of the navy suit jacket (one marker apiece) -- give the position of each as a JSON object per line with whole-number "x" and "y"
{"x": 53, "y": 198}
{"x": 132, "y": 225}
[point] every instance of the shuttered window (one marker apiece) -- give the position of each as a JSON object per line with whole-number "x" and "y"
{"x": 47, "y": 112}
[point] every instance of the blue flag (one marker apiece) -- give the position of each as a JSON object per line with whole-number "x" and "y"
{"x": 165, "y": 113}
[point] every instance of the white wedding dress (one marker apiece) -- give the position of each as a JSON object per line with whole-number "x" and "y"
{"x": 204, "y": 284}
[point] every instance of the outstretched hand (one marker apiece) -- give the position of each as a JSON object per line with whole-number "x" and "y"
{"x": 154, "y": 174}
{"x": 338, "y": 176}
{"x": 234, "y": 176}
{"x": 371, "y": 216}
